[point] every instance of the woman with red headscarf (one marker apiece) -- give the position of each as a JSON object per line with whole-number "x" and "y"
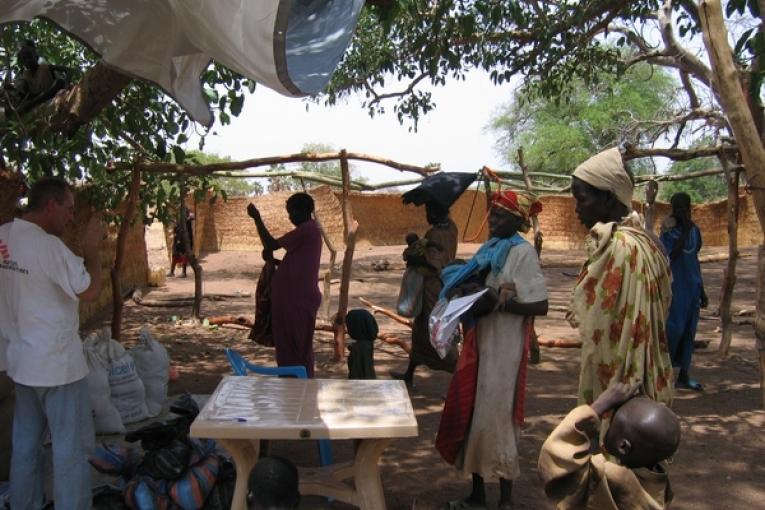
{"x": 483, "y": 413}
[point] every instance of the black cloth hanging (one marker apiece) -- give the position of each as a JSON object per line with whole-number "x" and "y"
{"x": 443, "y": 188}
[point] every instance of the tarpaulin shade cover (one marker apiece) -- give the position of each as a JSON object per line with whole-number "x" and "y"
{"x": 290, "y": 46}
{"x": 442, "y": 188}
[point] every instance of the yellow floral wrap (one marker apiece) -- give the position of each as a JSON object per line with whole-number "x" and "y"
{"x": 620, "y": 305}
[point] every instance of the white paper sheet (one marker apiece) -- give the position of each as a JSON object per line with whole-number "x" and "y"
{"x": 444, "y": 320}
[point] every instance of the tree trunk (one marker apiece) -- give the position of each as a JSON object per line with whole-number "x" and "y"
{"x": 84, "y": 101}
{"x": 729, "y": 87}
{"x": 729, "y": 274}
{"x": 196, "y": 308}
{"x": 116, "y": 272}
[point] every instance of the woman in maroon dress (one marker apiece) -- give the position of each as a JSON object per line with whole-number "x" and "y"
{"x": 295, "y": 296}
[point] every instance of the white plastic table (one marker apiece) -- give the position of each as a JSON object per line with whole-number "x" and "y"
{"x": 244, "y": 410}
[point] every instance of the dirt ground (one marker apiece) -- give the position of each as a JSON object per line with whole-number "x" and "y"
{"x": 719, "y": 464}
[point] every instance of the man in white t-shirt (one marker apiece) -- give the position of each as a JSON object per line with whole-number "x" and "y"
{"x": 6, "y": 412}
{"x": 41, "y": 284}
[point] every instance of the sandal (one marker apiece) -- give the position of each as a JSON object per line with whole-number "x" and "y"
{"x": 462, "y": 504}
{"x": 690, "y": 384}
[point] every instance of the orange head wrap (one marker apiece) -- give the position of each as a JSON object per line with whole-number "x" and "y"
{"x": 523, "y": 205}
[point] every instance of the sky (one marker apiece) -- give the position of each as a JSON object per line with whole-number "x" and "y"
{"x": 453, "y": 134}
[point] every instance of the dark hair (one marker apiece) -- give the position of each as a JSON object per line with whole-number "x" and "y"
{"x": 273, "y": 484}
{"x": 27, "y": 45}
{"x": 45, "y": 189}
{"x": 361, "y": 325}
{"x": 301, "y": 201}
{"x": 680, "y": 200}
{"x": 681, "y": 211}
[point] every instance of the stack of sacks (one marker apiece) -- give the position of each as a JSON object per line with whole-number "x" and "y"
{"x": 126, "y": 386}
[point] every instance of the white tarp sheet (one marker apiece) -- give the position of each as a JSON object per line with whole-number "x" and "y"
{"x": 291, "y": 46}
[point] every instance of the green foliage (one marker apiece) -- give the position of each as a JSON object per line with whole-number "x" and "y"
{"x": 226, "y": 186}
{"x": 330, "y": 169}
{"x": 550, "y": 43}
{"x": 558, "y": 134}
{"x": 281, "y": 182}
{"x": 700, "y": 189}
{"x": 142, "y": 122}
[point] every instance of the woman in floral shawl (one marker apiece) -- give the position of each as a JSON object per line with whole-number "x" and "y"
{"x": 621, "y": 299}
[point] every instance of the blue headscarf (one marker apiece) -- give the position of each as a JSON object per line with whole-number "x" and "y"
{"x": 492, "y": 253}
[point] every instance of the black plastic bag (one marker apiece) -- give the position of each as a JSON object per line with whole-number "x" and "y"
{"x": 223, "y": 493}
{"x": 160, "y": 434}
{"x": 186, "y": 407}
{"x": 166, "y": 463}
{"x": 107, "y": 497}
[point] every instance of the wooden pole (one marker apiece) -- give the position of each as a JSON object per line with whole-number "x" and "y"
{"x": 328, "y": 284}
{"x": 345, "y": 197}
{"x": 196, "y": 308}
{"x": 119, "y": 258}
{"x": 345, "y": 281}
{"x": 651, "y": 190}
{"x": 728, "y": 86}
{"x": 349, "y": 231}
{"x": 729, "y": 274}
{"x": 228, "y": 166}
{"x": 534, "y": 354}
{"x": 326, "y": 296}
{"x": 387, "y": 312}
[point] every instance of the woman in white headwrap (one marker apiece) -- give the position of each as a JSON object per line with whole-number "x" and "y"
{"x": 621, "y": 299}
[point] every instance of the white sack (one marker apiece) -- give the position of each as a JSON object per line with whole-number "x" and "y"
{"x": 106, "y": 418}
{"x": 152, "y": 363}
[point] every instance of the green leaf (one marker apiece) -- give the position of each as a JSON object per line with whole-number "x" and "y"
{"x": 236, "y": 105}
{"x": 742, "y": 40}
{"x": 179, "y": 155}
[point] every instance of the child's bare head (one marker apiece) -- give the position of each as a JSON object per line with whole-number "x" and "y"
{"x": 643, "y": 432}
{"x": 412, "y": 238}
{"x": 273, "y": 485}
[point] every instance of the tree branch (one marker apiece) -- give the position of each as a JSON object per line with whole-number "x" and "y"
{"x": 271, "y": 160}
{"x": 633, "y": 152}
{"x": 693, "y": 98}
{"x": 689, "y": 62}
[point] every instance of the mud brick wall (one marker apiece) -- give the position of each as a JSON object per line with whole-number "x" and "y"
{"x": 135, "y": 269}
{"x": 384, "y": 220}
{"x": 225, "y": 225}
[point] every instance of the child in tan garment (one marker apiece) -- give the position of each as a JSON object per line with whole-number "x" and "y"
{"x": 643, "y": 434}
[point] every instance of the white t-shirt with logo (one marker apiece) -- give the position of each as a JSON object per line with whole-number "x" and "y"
{"x": 39, "y": 282}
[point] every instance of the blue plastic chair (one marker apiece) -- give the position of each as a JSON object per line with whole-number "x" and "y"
{"x": 240, "y": 366}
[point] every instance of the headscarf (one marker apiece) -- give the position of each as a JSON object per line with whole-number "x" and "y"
{"x": 361, "y": 325}
{"x": 517, "y": 203}
{"x": 605, "y": 171}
